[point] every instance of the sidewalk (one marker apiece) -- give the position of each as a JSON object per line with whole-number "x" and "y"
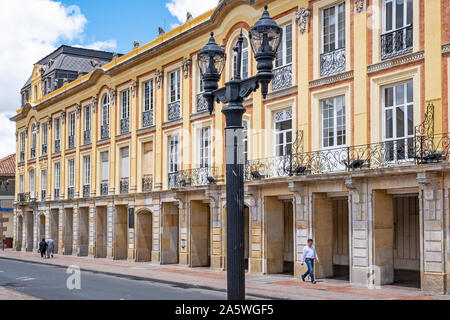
{"x": 273, "y": 286}
{"x": 6, "y": 294}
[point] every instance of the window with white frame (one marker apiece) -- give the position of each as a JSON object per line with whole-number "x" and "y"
{"x": 174, "y": 154}
{"x": 204, "y": 147}
{"x": 57, "y": 176}
{"x": 333, "y": 122}
{"x": 398, "y": 121}
{"x": 284, "y": 53}
{"x": 174, "y": 86}
{"x": 125, "y": 162}
{"x": 104, "y": 156}
{"x": 22, "y": 142}
{"x": 21, "y": 183}
{"x": 33, "y": 140}
{"x": 71, "y": 173}
{"x": 333, "y": 28}
{"x": 148, "y": 95}
{"x": 72, "y": 124}
{"x": 87, "y": 118}
{"x": 200, "y": 87}
{"x": 283, "y": 132}
{"x": 57, "y": 129}
{"x": 44, "y": 180}
{"x": 87, "y": 170}
{"x": 32, "y": 192}
{"x": 397, "y": 14}
{"x": 105, "y": 110}
{"x": 244, "y": 60}
{"x": 44, "y": 135}
{"x": 125, "y": 104}
{"x": 245, "y": 140}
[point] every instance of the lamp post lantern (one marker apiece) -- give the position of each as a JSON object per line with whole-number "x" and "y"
{"x": 265, "y": 38}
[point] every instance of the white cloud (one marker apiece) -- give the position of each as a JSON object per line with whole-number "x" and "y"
{"x": 31, "y": 29}
{"x": 108, "y": 45}
{"x": 179, "y": 8}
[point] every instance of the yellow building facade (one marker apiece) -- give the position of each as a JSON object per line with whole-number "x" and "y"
{"x": 349, "y": 148}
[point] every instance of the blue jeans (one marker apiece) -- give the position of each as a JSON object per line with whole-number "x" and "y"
{"x": 310, "y": 264}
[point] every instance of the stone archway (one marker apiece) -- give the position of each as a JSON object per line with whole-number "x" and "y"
{"x": 144, "y": 235}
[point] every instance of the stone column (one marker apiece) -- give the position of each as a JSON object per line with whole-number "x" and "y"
{"x": 184, "y": 207}
{"x": 131, "y": 255}
{"x": 92, "y": 231}
{"x": 110, "y": 224}
{"x": 433, "y": 208}
{"x": 217, "y": 241}
{"x": 303, "y": 232}
{"x": 60, "y": 231}
{"x": 35, "y": 244}
{"x": 360, "y": 233}
{"x": 157, "y": 225}
{"x": 256, "y": 249}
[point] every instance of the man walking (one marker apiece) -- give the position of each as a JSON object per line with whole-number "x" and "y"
{"x": 309, "y": 255}
{"x": 42, "y": 248}
{"x": 50, "y": 245}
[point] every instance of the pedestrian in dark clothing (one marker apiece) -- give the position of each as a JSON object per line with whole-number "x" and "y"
{"x": 42, "y": 248}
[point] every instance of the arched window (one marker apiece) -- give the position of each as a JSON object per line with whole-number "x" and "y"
{"x": 244, "y": 60}
{"x": 105, "y": 109}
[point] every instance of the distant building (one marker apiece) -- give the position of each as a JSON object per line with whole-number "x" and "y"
{"x": 7, "y": 188}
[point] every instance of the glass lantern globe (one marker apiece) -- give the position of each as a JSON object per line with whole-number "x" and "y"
{"x": 211, "y": 59}
{"x": 265, "y": 35}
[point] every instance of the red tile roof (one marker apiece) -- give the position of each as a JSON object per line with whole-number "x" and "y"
{"x": 8, "y": 165}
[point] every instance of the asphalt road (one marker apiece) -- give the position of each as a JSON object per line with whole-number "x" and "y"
{"x": 50, "y": 283}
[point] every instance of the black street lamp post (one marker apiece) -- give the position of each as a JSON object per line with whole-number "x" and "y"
{"x": 265, "y": 38}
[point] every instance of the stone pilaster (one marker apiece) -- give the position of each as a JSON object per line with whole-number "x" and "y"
{"x": 256, "y": 250}
{"x": 361, "y": 259}
{"x": 131, "y": 255}
{"x": 157, "y": 227}
{"x": 110, "y": 223}
{"x": 92, "y": 231}
{"x": 302, "y": 232}
{"x": 184, "y": 209}
{"x": 60, "y": 231}
{"x": 434, "y": 275}
{"x": 217, "y": 240}
{"x": 76, "y": 232}
{"x": 35, "y": 244}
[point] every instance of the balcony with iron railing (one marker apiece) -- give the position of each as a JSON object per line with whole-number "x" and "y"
{"x": 86, "y": 191}
{"x": 332, "y": 63}
{"x": 174, "y": 111}
{"x": 23, "y": 197}
{"x": 147, "y": 118}
{"x": 43, "y": 195}
{"x": 70, "y": 192}
{"x": 44, "y": 149}
{"x": 202, "y": 104}
{"x": 71, "y": 142}
{"x": 57, "y": 194}
{"x": 124, "y": 185}
{"x": 125, "y": 125}
{"x": 147, "y": 183}
{"x": 33, "y": 153}
{"x": 57, "y": 146}
{"x": 104, "y": 185}
{"x": 193, "y": 177}
{"x": 282, "y": 77}
{"x": 396, "y": 43}
{"x": 87, "y": 136}
{"x": 104, "y": 131}
{"x": 22, "y": 156}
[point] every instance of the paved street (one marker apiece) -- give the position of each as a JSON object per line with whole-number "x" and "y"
{"x": 26, "y": 280}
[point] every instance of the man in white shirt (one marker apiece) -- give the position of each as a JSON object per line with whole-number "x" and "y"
{"x": 309, "y": 254}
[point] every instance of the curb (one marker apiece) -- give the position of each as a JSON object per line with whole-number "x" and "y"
{"x": 140, "y": 278}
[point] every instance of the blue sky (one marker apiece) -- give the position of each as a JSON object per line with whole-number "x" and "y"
{"x": 123, "y": 21}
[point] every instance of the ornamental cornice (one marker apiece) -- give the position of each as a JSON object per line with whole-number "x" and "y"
{"x": 399, "y": 61}
{"x": 331, "y": 79}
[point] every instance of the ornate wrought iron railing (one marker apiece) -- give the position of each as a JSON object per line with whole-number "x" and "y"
{"x": 43, "y": 195}
{"x": 397, "y": 42}
{"x": 71, "y": 142}
{"x": 124, "y": 185}
{"x": 147, "y": 118}
{"x": 22, "y": 156}
{"x": 174, "y": 110}
{"x": 104, "y": 188}
{"x": 202, "y": 104}
{"x": 57, "y": 194}
{"x": 23, "y": 197}
{"x": 57, "y": 146}
{"x": 332, "y": 62}
{"x": 105, "y": 131}
{"x": 87, "y": 136}
{"x": 147, "y": 183}
{"x": 70, "y": 192}
{"x": 282, "y": 78}
{"x": 193, "y": 177}
{"x": 33, "y": 153}
{"x": 44, "y": 149}
{"x": 86, "y": 191}
{"x": 125, "y": 125}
